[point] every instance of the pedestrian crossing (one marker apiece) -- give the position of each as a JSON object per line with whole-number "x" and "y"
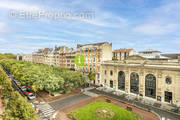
{"x": 45, "y": 110}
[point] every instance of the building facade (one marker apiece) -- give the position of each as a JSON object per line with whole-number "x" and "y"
{"x": 49, "y": 59}
{"x": 122, "y": 54}
{"x": 26, "y": 57}
{"x": 62, "y": 50}
{"x": 19, "y": 57}
{"x": 70, "y": 59}
{"x": 152, "y": 54}
{"x": 42, "y": 56}
{"x": 94, "y": 55}
{"x": 156, "y": 80}
{"x": 38, "y": 57}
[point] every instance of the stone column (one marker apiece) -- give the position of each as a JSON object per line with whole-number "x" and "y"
{"x": 115, "y": 76}
{"x": 141, "y": 83}
{"x": 127, "y": 82}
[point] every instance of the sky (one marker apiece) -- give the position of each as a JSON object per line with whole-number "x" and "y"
{"x": 27, "y": 25}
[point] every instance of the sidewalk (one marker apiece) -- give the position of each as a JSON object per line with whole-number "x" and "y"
{"x": 86, "y": 92}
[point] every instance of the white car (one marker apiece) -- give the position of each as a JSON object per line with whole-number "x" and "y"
{"x": 31, "y": 96}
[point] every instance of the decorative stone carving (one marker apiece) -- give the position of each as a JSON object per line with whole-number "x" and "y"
{"x": 159, "y": 91}
{"x": 150, "y": 71}
{"x": 167, "y": 89}
{"x": 160, "y": 75}
{"x": 134, "y": 70}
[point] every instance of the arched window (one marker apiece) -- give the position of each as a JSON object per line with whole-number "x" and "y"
{"x": 121, "y": 80}
{"x": 150, "y": 86}
{"x": 134, "y": 83}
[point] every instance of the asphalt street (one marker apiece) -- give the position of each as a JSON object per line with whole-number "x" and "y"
{"x": 68, "y": 101}
{"x": 14, "y": 85}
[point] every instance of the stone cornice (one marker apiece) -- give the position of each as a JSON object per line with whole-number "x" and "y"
{"x": 158, "y": 66}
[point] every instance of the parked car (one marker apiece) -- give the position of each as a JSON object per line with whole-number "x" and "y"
{"x": 17, "y": 82}
{"x": 27, "y": 92}
{"x": 31, "y": 96}
{"x": 23, "y": 88}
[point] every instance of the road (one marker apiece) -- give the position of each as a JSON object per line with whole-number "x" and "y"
{"x": 14, "y": 85}
{"x": 68, "y": 101}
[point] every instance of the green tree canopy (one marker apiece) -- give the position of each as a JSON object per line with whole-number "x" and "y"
{"x": 16, "y": 106}
{"x": 91, "y": 76}
{"x": 44, "y": 77}
{"x": 7, "y": 56}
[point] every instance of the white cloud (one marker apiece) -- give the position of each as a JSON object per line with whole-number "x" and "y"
{"x": 155, "y": 29}
{"x": 78, "y": 34}
{"x": 2, "y": 40}
{"x": 44, "y": 38}
{"x": 106, "y": 19}
{"x": 102, "y": 18}
{"x": 163, "y": 20}
{"x": 17, "y": 5}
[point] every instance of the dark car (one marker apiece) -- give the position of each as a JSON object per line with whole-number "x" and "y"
{"x": 26, "y": 92}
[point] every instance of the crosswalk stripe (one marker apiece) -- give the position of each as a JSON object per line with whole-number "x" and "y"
{"x": 46, "y": 110}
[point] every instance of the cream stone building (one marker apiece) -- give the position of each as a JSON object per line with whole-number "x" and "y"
{"x": 156, "y": 80}
{"x": 94, "y": 54}
{"x": 26, "y": 57}
{"x": 122, "y": 54}
{"x": 49, "y": 59}
{"x": 70, "y": 59}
